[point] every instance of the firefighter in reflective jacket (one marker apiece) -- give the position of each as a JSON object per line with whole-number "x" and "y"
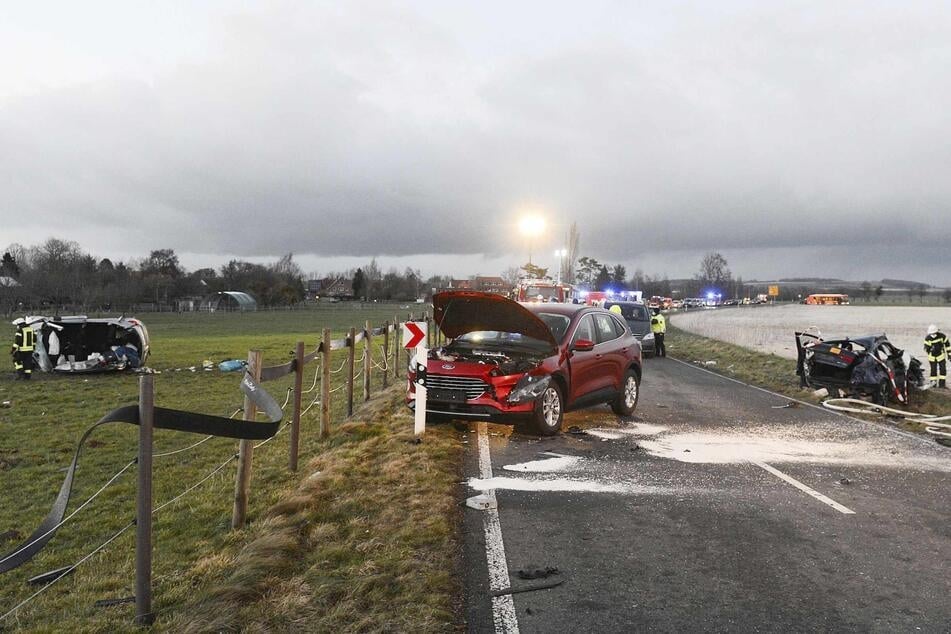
{"x": 22, "y": 351}
{"x": 659, "y": 328}
{"x": 936, "y": 347}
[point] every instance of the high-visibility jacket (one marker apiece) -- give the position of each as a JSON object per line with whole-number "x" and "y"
{"x": 24, "y": 340}
{"x": 936, "y": 346}
{"x": 658, "y": 324}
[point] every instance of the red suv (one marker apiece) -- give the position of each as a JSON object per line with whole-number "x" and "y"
{"x": 508, "y": 361}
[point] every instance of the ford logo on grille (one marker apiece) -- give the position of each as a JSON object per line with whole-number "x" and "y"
{"x": 448, "y": 366}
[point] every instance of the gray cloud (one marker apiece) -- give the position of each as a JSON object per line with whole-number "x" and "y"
{"x": 367, "y": 129}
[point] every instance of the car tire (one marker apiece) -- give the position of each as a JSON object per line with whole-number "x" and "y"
{"x": 626, "y": 401}
{"x": 549, "y": 411}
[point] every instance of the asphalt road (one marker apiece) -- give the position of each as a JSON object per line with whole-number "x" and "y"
{"x": 713, "y": 509}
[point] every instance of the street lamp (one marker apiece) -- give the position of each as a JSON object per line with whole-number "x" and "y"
{"x": 531, "y": 226}
{"x": 560, "y": 254}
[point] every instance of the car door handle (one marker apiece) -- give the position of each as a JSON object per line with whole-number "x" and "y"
{"x": 598, "y": 356}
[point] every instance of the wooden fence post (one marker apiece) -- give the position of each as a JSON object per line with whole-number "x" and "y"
{"x": 242, "y": 482}
{"x": 398, "y": 335}
{"x": 143, "y": 519}
{"x": 386, "y": 351}
{"x": 352, "y": 348}
{"x": 295, "y": 422}
{"x": 367, "y": 360}
{"x": 325, "y": 385}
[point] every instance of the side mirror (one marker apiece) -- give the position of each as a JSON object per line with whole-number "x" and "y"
{"x": 583, "y": 345}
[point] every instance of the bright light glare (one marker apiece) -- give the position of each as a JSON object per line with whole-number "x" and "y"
{"x": 560, "y": 253}
{"x": 531, "y": 225}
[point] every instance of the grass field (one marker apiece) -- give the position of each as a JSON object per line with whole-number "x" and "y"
{"x": 770, "y": 328}
{"x": 193, "y": 544}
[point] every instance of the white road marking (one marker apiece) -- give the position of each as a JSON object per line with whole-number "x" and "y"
{"x": 503, "y": 607}
{"x": 802, "y": 487}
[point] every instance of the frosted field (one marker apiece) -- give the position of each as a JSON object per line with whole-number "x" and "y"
{"x": 771, "y": 328}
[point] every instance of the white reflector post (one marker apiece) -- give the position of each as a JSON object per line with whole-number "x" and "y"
{"x": 421, "y": 382}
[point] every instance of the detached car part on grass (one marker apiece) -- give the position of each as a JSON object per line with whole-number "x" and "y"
{"x": 80, "y": 345}
{"x": 861, "y": 366}
{"x": 507, "y": 362}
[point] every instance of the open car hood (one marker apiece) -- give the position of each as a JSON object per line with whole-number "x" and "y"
{"x": 460, "y": 312}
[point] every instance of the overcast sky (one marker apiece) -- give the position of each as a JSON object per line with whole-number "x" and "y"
{"x": 797, "y": 138}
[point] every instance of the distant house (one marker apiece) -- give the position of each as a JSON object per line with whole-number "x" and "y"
{"x": 333, "y": 287}
{"x": 229, "y": 301}
{"x": 465, "y": 285}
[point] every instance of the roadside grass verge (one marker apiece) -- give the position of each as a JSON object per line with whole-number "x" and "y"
{"x": 46, "y": 416}
{"x": 778, "y": 374}
{"x": 365, "y": 543}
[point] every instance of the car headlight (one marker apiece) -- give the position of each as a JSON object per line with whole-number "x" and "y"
{"x": 649, "y": 335}
{"x": 528, "y": 388}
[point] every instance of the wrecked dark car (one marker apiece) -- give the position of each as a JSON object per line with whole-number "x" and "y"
{"x": 80, "y": 345}
{"x": 508, "y": 362}
{"x": 862, "y": 366}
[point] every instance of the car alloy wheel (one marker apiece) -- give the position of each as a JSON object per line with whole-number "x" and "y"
{"x": 625, "y": 402}
{"x": 549, "y": 409}
{"x": 630, "y": 391}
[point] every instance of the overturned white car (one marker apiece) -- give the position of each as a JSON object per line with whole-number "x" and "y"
{"x": 80, "y": 345}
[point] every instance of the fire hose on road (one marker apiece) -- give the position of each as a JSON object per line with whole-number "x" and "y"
{"x": 933, "y": 424}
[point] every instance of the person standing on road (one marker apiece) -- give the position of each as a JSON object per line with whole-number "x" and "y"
{"x": 936, "y": 347}
{"x": 24, "y": 341}
{"x": 659, "y": 328}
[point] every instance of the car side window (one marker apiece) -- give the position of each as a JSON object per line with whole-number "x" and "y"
{"x": 585, "y": 330}
{"x": 605, "y": 327}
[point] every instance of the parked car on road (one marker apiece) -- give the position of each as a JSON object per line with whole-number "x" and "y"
{"x": 507, "y": 362}
{"x": 860, "y": 366}
{"x": 638, "y": 319}
{"x": 79, "y": 345}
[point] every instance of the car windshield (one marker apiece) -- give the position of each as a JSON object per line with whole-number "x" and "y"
{"x": 492, "y": 338}
{"x": 546, "y": 292}
{"x": 558, "y": 324}
{"x": 633, "y": 312}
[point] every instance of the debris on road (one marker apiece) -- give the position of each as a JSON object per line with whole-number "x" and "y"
{"x": 789, "y": 405}
{"x": 537, "y": 573}
{"x": 542, "y": 586}
{"x": 481, "y": 502}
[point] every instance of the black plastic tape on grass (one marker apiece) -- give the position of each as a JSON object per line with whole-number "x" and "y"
{"x": 164, "y": 419}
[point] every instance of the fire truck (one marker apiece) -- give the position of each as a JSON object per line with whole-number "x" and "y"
{"x": 543, "y": 290}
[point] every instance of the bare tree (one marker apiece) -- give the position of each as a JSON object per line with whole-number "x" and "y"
{"x": 713, "y": 270}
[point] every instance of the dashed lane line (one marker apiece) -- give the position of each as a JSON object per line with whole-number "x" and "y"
{"x": 503, "y": 607}
{"x": 802, "y": 487}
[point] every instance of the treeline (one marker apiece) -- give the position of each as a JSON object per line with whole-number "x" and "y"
{"x": 59, "y": 275}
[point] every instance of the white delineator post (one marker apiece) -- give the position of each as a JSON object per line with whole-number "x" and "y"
{"x": 414, "y": 337}
{"x": 419, "y": 426}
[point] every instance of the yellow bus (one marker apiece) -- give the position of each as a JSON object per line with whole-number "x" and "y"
{"x": 827, "y": 299}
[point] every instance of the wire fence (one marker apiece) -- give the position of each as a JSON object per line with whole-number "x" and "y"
{"x": 322, "y": 356}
